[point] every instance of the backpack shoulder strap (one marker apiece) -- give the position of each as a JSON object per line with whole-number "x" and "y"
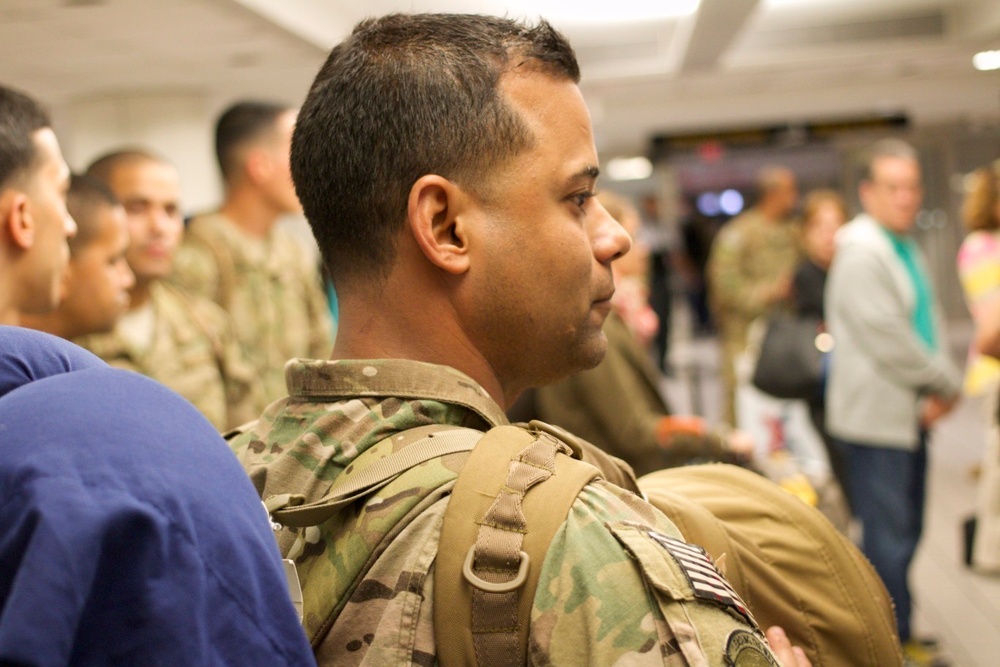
{"x": 511, "y": 497}
{"x": 367, "y": 474}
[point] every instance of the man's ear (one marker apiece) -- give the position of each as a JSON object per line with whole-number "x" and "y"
{"x": 436, "y": 216}
{"x": 17, "y": 220}
{"x": 257, "y": 166}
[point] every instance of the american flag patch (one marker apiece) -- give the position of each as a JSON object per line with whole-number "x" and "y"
{"x": 706, "y": 581}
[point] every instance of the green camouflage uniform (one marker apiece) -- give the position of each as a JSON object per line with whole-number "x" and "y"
{"x": 193, "y": 351}
{"x": 610, "y": 590}
{"x": 748, "y": 257}
{"x": 270, "y": 289}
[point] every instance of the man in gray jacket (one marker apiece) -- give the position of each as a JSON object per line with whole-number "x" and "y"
{"x": 890, "y": 375}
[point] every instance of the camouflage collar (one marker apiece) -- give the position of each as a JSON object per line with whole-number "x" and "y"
{"x": 332, "y": 380}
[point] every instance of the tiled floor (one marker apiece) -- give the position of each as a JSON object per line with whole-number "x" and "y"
{"x": 958, "y": 606}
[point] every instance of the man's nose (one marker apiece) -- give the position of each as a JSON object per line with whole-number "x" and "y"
{"x": 69, "y": 226}
{"x": 125, "y": 273}
{"x": 610, "y": 240}
{"x": 162, "y": 220}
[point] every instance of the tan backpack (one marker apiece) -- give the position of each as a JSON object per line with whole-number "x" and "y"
{"x": 783, "y": 558}
{"x": 786, "y": 561}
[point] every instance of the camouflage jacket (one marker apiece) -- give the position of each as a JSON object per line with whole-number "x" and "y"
{"x": 193, "y": 351}
{"x": 615, "y": 587}
{"x": 747, "y": 259}
{"x": 270, "y": 289}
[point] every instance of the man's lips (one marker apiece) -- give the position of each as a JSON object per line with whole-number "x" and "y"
{"x": 156, "y": 251}
{"x": 603, "y": 305}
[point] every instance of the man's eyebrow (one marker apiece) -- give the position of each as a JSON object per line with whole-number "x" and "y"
{"x": 588, "y": 173}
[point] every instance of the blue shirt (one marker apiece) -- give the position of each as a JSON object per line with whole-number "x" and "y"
{"x": 129, "y": 533}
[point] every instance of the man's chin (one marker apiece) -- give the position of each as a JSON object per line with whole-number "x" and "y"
{"x": 584, "y": 356}
{"x": 592, "y": 353}
{"x": 157, "y": 272}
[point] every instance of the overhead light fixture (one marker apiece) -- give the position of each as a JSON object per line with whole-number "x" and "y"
{"x": 986, "y": 60}
{"x": 629, "y": 169}
{"x": 605, "y": 11}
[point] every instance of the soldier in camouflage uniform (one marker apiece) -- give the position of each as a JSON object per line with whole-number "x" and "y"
{"x": 446, "y": 164}
{"x": 750, "y": 270}
{"x": 237, "y": 257}
{"x": 180, "y": 340}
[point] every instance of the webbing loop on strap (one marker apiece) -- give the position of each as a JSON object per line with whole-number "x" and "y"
{"x": 565, "y": 438}
{"x": 511, "y": 498}
{"x": 496, "y": 587}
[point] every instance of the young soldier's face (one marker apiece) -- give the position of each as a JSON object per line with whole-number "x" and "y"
{"x": 278, "y": 182}
{"x": 543, "y": 275}
{"x": 150, "y": 192}
{"x": 99, "y": 278}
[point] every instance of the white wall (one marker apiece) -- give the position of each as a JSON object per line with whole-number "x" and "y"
{"x": 178, "y": 126}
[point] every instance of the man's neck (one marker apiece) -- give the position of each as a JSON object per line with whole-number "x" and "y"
{"x": 385, "y": 328}
{"x": 9, "y": 313}
{"x": 10, "y": 316}
{"x": 51, "y": 323}
{"x": 250, "y": 212}
{"x": 140, "y": 294}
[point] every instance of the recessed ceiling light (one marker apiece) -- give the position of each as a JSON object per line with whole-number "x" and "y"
{"x": 986, "y": 60}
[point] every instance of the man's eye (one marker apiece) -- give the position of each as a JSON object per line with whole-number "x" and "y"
{"x": 580, "y": 199}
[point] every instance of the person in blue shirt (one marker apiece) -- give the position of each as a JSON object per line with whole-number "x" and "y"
{"x": 129, "y": 534}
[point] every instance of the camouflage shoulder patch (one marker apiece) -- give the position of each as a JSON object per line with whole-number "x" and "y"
{"x": 705, "y": 580}
{"x": 746, "y": 649}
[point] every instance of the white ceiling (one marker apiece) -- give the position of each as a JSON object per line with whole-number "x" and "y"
{"x": 731, "y": 63}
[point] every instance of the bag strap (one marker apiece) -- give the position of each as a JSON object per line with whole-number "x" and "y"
{"x": 367, "y": 475}
{"x": 494, "y": 539}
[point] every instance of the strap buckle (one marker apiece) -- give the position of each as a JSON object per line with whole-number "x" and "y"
{"x": 495, "y": 587}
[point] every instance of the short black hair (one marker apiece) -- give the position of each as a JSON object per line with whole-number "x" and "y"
{"x": 103, "y": 167}
{"x": 20, "y": 118}
{"x": 403, "y": 96}
{"x": 86, "y": 197}
{"x": 242, "y": 123}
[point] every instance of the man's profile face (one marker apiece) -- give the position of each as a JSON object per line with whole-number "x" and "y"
{"x": 279, "y": 184}
{"x": 150, "y": 192}
{"x": 46, "y": 189}
{"x": 99, "y": 278}
{"x": 541, "y": 281}
{"x": 894, "y": 193}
